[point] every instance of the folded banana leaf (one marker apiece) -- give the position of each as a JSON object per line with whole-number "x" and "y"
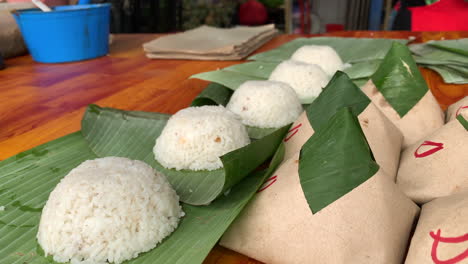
{"x": 456, "y": 45}
{"x": 27, "y": 179}
{"x": 399, "y": 79}
{"x": 213, "y": 94}
{"x": 340, "y": 93}
{"x": 351, "y": 50}
{"x": 335, "y": 160}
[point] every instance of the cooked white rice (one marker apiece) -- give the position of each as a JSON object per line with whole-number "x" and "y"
{"x": 323, "y": 56}
{"x": 265, "y": 104}
{"x": 195, "y": 137}
{"x": 108, "y": 210}
{"x": 307, "y": 80}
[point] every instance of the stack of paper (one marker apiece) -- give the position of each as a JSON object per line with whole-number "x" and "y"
{"x": 210, "y": 43}
{"x": 447, "y": 57}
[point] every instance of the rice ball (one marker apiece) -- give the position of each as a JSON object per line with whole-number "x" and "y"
{"x": 307, "y": 80}
{"x": 195, "y": 137}
{"x": 108, "y": 210}
{"x": 265, "y": 104}
{"x": 323, "y": 56}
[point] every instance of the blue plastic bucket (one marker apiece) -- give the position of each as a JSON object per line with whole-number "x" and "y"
{"x": 68, "y": 33}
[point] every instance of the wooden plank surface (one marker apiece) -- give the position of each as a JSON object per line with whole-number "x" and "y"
{"x": 42, "y": 102}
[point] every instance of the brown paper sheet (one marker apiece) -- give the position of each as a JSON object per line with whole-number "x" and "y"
{"x": 370, "y": 224}
{"x": 441, "y": 235}
{"x": 423, "y": 119}
{"x": 460, "y": 107}
{"x": 437, "y": 165}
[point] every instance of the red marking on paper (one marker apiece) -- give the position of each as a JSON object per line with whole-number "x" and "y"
{"x": 294, "y": 130}
{"x": 460, "y": 109}
{"x": 268, "y": 183}
{"x": 452, "y": 240}
{"x": 436, "y": 147}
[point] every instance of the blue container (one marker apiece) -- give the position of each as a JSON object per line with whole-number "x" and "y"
{"x": 68, "y": 33}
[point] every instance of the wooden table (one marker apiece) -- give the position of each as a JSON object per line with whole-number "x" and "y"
{"x": 42, "y": 102}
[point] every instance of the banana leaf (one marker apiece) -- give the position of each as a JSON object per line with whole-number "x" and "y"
{"x": 429, "y": 61}
{"x": 429, "y": 52}
{"x": 462, "y": 69}
{"x": 449, "y": 74}
{"x": 351, "y": 50}
{"x": 456, "y": 45}
{"x": 340, "y": 92}
{"x": 258, "y": 69}
{"x": 335, "y": 160}
{"x": 399, "y": 79}
{"x": 362, "y": 69}
{"x": 213, "y": 94}
{"x": 232, "y": 77}
{"x": 229, "y": 79}
{"x": 27, "y": 179}
{"x": 463, "y": 121}
{"x": 360, "y": 82}
{"x": 131, "y": 134}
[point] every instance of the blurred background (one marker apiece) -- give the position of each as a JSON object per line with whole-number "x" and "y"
{"x": 289, "y": 16}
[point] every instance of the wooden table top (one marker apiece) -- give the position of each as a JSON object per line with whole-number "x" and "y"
{"x": 42, "y": 102}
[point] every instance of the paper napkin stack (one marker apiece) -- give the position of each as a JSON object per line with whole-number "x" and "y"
{"x": 210, "y": 43}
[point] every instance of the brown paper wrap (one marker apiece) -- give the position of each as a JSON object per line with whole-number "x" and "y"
{"x": 460, "y": 107}
{"x": 423, "y": 119}
{"x": 370, "y": 224}
{"x": 448, "y": 216}
{"x": 384, "y": 138}
{"x": 437, "y": 165}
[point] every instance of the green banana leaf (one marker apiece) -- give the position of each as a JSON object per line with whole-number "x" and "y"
{"x": 112, "y": 132}
{"x": 430, "y": 61}
{"x": 258, "y": 132}
{"x": 429, "y": 52}
{"x": 362, "y": 69}
{"x": 335, "y": 160}
{"x": 27, "y": 179}
{"x": 351, "y": 50}
{"x": 449, "y": 74}
{"x": 457, "y": 45}
{"x": 232, "y": 77}
{"x": 360, "y": 82}
{"x": 213, "y": 94}
{"x": 399, "y": 80}
{"x": 340, "y": 92}
{"x": 462, "y": 69}
{"x": 229, "y": 79}
{"x": 463, "y": 121}
{"x": 257, "y": 69}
